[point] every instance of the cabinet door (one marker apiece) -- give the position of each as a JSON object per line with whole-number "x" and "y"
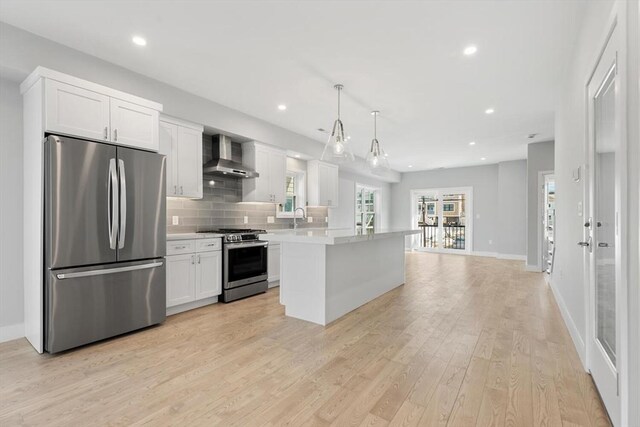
{"x": 189, "y": 162}
{"x": 134, "y": 125}
{"x": 332, "y": 186}
{"x": 263, "y": 191}
{"x": 323, "y": 184}
{"x": 273, "y": 262}
{"x": 181, "y": 279}
{"x": 278, "y": 176}
{"x": 74, "y": 111}
{"x": 169, "y": 147}
{"x": 208, "y": 274}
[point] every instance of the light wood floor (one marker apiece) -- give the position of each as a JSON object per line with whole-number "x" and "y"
{"x": 467, "y": 341}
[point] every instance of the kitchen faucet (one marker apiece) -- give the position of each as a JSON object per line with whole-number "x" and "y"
{"x": 295, "y": 223}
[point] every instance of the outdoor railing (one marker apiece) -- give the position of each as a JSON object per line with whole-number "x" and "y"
{"x": 454, "y": 236}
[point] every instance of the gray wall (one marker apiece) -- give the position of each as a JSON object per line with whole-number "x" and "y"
{"x": 540, "y": 157}
{"x": 512, "y": 208}
{"x": 344, "y": 215}
{"x": 497, "y": 188}
{"x": 11, "y": 291}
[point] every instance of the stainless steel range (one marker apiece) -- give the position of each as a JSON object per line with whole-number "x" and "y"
{"x": 244, "y": 260}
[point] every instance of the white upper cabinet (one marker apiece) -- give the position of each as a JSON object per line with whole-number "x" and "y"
{"x": 322, "y": 187}
{"x": 71, "y": 110}
{"x": 181, "y": 142}
{"x": 134, "y": 125}
{"x": 83, "y": 109}
{"x": 271, "y": 164}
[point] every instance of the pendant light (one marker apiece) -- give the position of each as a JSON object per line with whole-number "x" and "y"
{"x": 338, "y": 148}
{"x": 376, "y": 157}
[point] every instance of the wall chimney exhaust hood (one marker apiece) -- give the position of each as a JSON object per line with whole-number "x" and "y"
{"x": 222, "y": 162}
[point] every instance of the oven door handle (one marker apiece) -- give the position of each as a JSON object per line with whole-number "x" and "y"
{"x": 244, "y": 245}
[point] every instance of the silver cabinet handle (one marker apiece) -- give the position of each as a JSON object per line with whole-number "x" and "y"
{"x": 108, "y": 270}
{"x": 210, "y": 244}
{"x": 112, "y": 203}
{"x": 198, "y": 259}
{"x": 106, "y": 132}
{"x": 193, "y": 259}
{"x": 123, "y": 204}
{"x": 175, "y": 189}
{"x": 604, "y": 245}
{"x": 181, "y": 190}
{"x": 115, "y": 134}
{"x": 180, "y": 247}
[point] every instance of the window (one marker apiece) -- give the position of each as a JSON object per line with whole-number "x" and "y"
{"x": 448, "y": 207}
{"x": 366, "y": 208}
{"x": 294, "y": 195}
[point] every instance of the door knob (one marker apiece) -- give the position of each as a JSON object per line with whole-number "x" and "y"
{"x": 584, "y": 244}
{"x": 604, "y": 245}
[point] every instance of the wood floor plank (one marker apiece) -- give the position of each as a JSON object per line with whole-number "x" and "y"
{"x": 466, "y": 341}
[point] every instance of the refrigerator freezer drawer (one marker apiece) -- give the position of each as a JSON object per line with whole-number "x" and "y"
{"x": 88, "y": 304}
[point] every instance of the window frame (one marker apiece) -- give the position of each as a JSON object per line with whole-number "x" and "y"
{"x": 299, "y": 197}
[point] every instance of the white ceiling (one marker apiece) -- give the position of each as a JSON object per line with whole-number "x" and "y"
{"x": 401, "y": 57}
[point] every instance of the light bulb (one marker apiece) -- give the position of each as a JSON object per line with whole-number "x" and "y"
{"x": 338, "y": 147}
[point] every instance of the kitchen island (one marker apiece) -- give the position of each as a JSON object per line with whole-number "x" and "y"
{"x": 326, "y": 273}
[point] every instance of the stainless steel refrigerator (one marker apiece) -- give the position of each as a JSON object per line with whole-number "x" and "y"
{"x": 104, "y": 240}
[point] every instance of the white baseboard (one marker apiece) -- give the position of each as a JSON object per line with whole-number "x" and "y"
{"x": 481, "y": 253}
{"x": 571, "y": 326}
{"x": 512, "y": 256}
{"x": 190, "y": 305}
{"x": 535, "y": 268}
{"x": 11, "y": 332}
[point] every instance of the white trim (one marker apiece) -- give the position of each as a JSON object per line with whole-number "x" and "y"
{"x": 496, "y": 255}
{"x": 191, "y": 305}
{"x": 541, "y": 209}
{"x": 535, "y": 268}
{"x": 42, "y": 72}
{"x": 11, "y": 332}
{"x": 179, "y": 122}
{"x": 570, "y": 324}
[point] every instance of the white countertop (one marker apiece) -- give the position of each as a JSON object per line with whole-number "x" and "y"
{"x": 189, "y": 236}
{"x": 331, "y": 236}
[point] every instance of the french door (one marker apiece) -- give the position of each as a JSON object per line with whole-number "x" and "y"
{"x": 605, "y": 227}
{"x": 443, "y": 217}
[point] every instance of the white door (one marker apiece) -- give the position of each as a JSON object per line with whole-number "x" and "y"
{"x": 278, "y": 176}
{"x": 189, "y": 162}
{"x": 605, "y": 228}
{"x": 181, "y": 279}
{"x": 73, "y": 111}
{"x": 134, "y": 125}
{"x": 169, "y": 147}
{"x": 208, "y": 274}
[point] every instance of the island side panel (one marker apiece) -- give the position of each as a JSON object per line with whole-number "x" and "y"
{"x": 302, "y": 281}
{"x": 360, "y": 272}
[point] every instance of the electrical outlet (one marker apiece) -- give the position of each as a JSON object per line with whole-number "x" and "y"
{"x": 309, "y": 219}
{"x": 175, "y": 220}
{"x": 326, "y": 219}
{"x": 246, "y": 220}
{"x": 270, "y": 220}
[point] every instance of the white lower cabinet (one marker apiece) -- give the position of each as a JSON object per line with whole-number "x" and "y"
{"x": 273, "y": 262}
{"x": 193, "y": 276}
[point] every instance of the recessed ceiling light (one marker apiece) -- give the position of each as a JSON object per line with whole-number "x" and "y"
{"x": 470, "y": 50}
{"x": 483, "y": 158}
{"x": 472, "y": 143}
{"x": 410, "y": 166}
{"x": 282, "y": 107}
{"x": 297, "y": 156}
{"x": 348, "y": 136}
{"x": 489, "y": 111}
{"x": 140, "y": 41}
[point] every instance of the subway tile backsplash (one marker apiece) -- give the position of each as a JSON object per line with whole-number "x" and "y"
{"x": 220, "y": 206}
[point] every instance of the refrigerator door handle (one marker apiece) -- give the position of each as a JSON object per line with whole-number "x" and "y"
{"x": 112, "y": 203}
{"x": 123, "y": 204}
{"x": 108, "y": 271}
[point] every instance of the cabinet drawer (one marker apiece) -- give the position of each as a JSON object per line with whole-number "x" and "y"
{"x": 178, "y": 247}
{"x": 205, "y": 245}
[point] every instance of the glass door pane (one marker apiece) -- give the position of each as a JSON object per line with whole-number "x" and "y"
{"x": 453, "y": 221}
{"x": 605, "y": 216}
{"x": 428, "y": 221}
